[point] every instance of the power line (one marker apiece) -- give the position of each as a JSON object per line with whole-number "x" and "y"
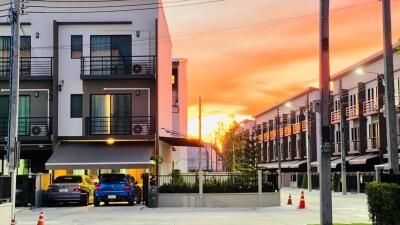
{"x": 97, "y": 1}
{"x": 126, "y": 10}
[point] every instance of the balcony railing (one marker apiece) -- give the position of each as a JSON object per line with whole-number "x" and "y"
{"x": 373, "y": 143}
{"x": 30, "y": 67}
{"x": 288, "y": 130}
{"x": 370, "y": 107}
{"x": 337, "y": 148}
{"x": 29, "y": 126}
{"x": 272, "y": 134}
{"x": 296, "y": 128}
{"x": 281, "y": 132}
{"x": 354, "y": 146}
{"x": 266, "y": 136}
{"x": 304, "y": 125}
{"x": 118, "y": 67}
{"x": 352, "y": 112}
{"x": 335, "y": 117}
{"x": 135, "y": 126}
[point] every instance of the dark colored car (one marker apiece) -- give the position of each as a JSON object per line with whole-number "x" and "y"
{"x": 71, "y": 188}
{"x": 117, "y": 188}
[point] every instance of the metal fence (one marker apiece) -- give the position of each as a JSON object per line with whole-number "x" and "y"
{"x": 129, "y": 125}
{"x": 5, "y": 188}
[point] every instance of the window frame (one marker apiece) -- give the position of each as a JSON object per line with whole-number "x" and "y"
{"x": 72, "y": 115}
{"x": 81, "y": 46}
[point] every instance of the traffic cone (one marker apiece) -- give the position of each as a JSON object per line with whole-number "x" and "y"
{"x": 302, "y": 203}
{"x": 41, "y": 219}
{"x": 289, "y": 201}
{"x": 13, "y": 222}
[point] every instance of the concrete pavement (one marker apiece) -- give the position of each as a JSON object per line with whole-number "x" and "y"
{"x": 349, "y": 208}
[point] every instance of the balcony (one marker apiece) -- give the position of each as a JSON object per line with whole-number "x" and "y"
{"x": 352, "y": 112}
{"x": 304, "y": 125}
{"x": 373, "y": 144}
{"x": 335, "y": 117}
{"x": 266, "y": 136}
{"x": 31, "y": 68}
{"x": 29, "y": 127}
{"x": 296, "y": 128}
{"x": 137, "y": 126}
{"x": 370, "y": 107}
{"x": 354, "y": 147}
{"x": 272, "y": 135}
{"x": 281, "y": 132}
{"x": 118, "y": 67}
{"x": 288, "y": 130}
{"x": 337, "y": 148}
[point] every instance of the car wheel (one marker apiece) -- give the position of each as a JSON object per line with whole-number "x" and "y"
{"x": 50, "y": 203}
{"x": 96, "y": 202}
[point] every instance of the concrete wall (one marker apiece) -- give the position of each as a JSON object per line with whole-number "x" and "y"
{"x": 220, "y": 200}
{"x": 5, "y": 213}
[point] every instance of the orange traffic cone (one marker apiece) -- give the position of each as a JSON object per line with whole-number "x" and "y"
{"x": 302, "y": 203}
{"x": 289, "y": 201}
{"x": 41, "y": 219}
{"x": 13, "y": 222}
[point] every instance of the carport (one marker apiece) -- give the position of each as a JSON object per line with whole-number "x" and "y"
{"x": 100, "y": 155}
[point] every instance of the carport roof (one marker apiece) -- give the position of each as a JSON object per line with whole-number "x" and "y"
{"x": 100, "y": 155}
{"x": 361, "y": 160}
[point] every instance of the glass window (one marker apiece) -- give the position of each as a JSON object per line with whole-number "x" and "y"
{"x": 68, "y": 179}
{"x": 76, "y": 46}
{"x": 76, "y": 106}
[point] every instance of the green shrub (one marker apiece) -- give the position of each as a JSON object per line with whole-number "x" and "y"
{"x": 336, "y": 182}
{"x": 384, "y": 203}
{"x": 304, "y": 183}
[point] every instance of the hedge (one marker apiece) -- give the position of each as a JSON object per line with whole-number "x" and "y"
{"x": 384, "y": 203}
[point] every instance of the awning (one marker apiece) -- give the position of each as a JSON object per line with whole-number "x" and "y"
{"x": 285, "y": 165}
{"x": 99, "y": 155}
{"x": 297, "y": 164}
{"x": 336, "y": 162}
{"x": 179, "y": 141}
{"x": 386, "y": 155}
{"x": 361, "y": 160}
{"x": 384, "y": 166}
{"x": 316, "y": 163}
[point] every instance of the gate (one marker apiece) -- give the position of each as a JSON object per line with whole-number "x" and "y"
{"x": 25, "y": 193}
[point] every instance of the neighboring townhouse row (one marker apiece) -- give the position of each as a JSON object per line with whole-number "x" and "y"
{"x": 95, "y": 92}
{"x": 362, "y": 105}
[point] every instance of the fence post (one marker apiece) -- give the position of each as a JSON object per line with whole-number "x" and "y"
{"x": 259, "y": 184}
{"x": 201, "y": 181}
{"x": 358, "y": 182}
{"x": 377, "y": 174}
{"x": 297, "y": 180}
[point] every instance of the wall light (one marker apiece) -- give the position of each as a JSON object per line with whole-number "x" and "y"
{"x": 110, "y": 141}
{"x": 60, "y": 85}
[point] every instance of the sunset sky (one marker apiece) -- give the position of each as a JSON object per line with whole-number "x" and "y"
{"x": 245, "y": 55}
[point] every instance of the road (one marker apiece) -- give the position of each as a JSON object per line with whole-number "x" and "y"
{"x": 349, "y": 208}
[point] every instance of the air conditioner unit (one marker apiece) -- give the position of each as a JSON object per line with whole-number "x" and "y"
{"x": 140, "y": 129}
{"x": 38, "y": 130}
{"x": 140, "y": 68}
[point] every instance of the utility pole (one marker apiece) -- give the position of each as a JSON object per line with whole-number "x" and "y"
{"x": 199, "y": 132}
{"x": 12, "y": 139}
{"x": 308, "y": 145}
{"x": 324, "y": 78}
{"x": 342, "y": 139}
{"x": 391, "y": 133}
{"x": 278, "y": 148}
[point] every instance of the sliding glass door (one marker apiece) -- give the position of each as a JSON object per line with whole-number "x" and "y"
{"x": 111, "y": 114}
{"x": 23, "y": 114}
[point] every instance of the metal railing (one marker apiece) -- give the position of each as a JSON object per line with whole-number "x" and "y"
{"x": 335, "y": 117}
{"x": 5, "y": 189}
{"x": 373, "y": 143}
{"x": 29, "y": 126}
{"x": 354, "y": 146}
{"x": 337, "y": 148}
{"x": 296, "y": 128}
{"x": 304, "y": 125}
{"x": 29, "y": 66}
{"x": 272, "y": 134}
{"x": 370, "y": 106}
{"x": 352, "y": 112}
{"x": 139, "y": 66}
{"x": 288, "y": 130}
{"x": 281, "y": 132}
{"x": 133, "y": 125}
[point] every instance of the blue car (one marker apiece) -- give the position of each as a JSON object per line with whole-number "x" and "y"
{"x": 117, "y": 188}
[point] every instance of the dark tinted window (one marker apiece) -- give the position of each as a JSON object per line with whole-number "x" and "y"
{"x": 76, "y": 46}
{"x": 113, "y": 179}
{"x": 68, "y": 179}
{"x": 76, "y": 106}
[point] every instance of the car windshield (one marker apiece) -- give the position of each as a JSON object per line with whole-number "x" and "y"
{"x": 113, "y": 179}
{"x": 68, "y": 179}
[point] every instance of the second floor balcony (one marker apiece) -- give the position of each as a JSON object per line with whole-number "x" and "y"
{"x": 136, "y": 126}
{"x": 118, "y": 67}
{"x": 335, "y": 117}
{"x": 352, "y": 112}
{"x": 288, "y": 130}
{"x": 337, "y": 148}
{"x": 296, "y": 128}
{"x": 370, "y": 107}
{"x": 305, "y": 125}
{"x": 31, "y": 68}
{"x": 354, "y": 146}
{"x": 29, "y": 127}
{"x": 373, "y": 144}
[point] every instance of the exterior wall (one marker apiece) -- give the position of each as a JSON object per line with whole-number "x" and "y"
{"x": 5, "y": 210}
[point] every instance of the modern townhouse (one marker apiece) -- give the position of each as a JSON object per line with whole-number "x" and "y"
{"x": 95, "y": 90}
{"x": 285, "y": 128}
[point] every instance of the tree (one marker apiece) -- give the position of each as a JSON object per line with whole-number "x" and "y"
{"x": 232, "y": 143}
{"x": 250, "y": 155}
